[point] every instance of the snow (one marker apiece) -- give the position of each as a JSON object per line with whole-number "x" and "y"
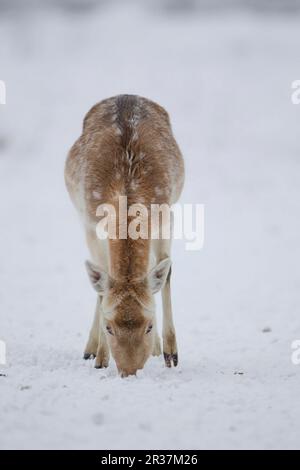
{"x": 225, "y": 79}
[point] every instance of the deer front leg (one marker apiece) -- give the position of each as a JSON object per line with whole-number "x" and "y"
{"x": 90, "y": 351}
{"x": 162, "y": 249}
{"x": 169, "y": 335}
{"x": 102, "y": 357}
{"x": 157, "y": 347}
{"x": 97, "y": 346}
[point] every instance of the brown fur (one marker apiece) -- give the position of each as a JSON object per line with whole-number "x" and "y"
{"x": 126, "y": 149}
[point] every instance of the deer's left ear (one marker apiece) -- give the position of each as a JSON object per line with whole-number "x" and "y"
{"x": 158, "y": 275}
{"x": 100, "y": 279}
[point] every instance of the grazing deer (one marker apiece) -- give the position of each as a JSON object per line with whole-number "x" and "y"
{"x": 126, "y": 149}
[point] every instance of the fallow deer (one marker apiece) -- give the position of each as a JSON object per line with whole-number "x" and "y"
{"x": 126, "y": 149}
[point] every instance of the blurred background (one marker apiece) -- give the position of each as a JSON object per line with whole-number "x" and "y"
{"x": 224, "y": 71}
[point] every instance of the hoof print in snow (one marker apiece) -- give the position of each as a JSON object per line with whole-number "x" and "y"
{"x": 98, "y": 419}
{"x": 267, "y": 329}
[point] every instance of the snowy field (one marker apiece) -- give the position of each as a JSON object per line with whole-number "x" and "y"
{"x": 225, "y": 78}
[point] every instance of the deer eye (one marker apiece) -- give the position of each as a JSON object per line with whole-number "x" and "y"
{"x": 149, "y": 329}
{"x": 109, "y": 330}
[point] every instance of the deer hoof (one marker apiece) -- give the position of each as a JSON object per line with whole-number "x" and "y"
{"x": 171, "y": 358}
{"x": 87, "y": 356}
{"x": 101, "y": 361}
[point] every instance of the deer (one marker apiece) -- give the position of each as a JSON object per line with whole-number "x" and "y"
{"x": 127, "y": 149}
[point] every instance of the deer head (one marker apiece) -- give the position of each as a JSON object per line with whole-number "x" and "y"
{"x": 128, "y": 313}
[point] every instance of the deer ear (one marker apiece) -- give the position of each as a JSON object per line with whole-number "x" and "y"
{"x": 158, "y": 275}
{"x": 100, "y": 280}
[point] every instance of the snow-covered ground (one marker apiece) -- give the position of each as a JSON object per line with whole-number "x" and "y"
{"x": 225, "y": 79}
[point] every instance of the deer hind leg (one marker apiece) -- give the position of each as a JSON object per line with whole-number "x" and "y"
{"x": 162, "y": 250}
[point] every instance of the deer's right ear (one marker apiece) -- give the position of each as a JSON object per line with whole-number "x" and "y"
{"x": 100, "y": 279}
